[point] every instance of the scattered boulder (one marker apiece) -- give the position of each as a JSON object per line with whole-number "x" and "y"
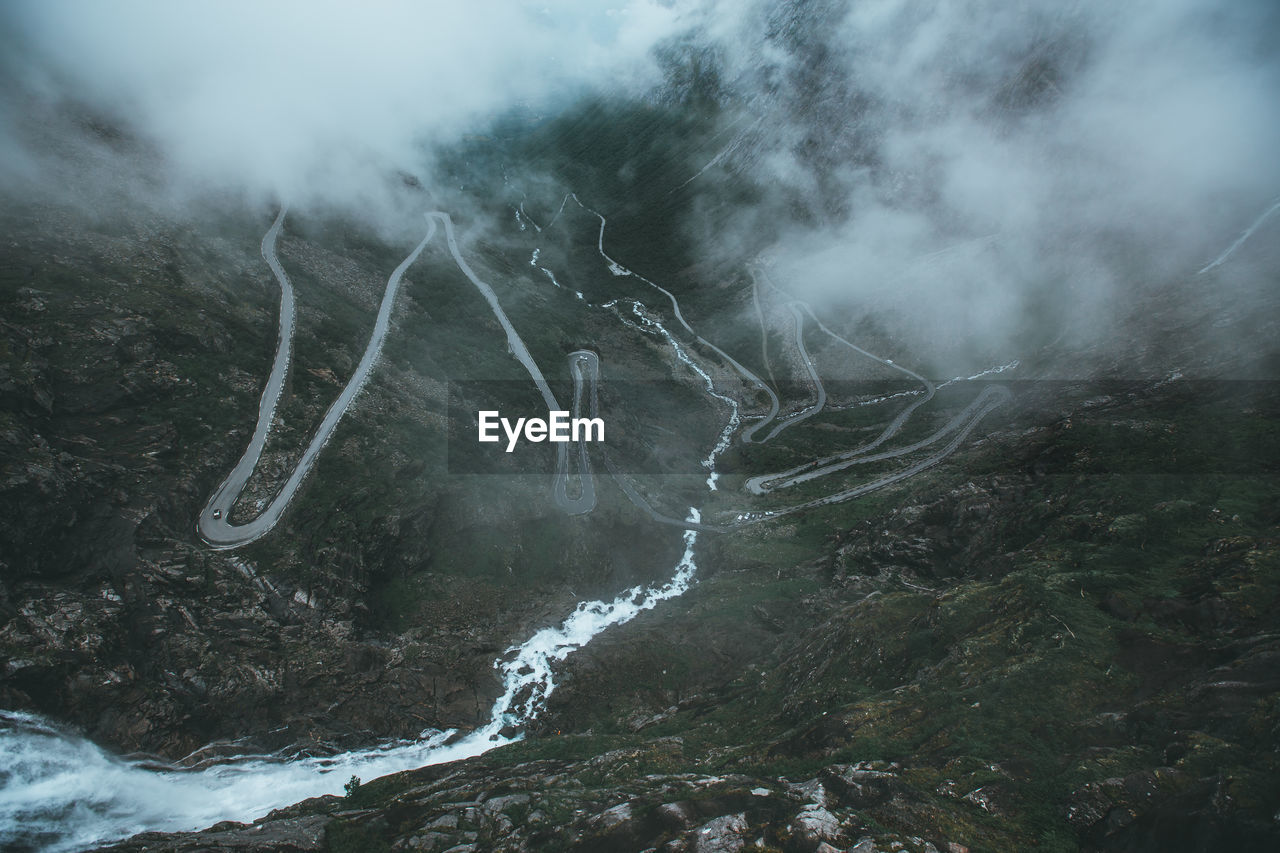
{"x": 721, "y": 835}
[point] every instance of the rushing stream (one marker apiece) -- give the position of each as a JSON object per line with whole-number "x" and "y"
{"x": 61, "y": 792}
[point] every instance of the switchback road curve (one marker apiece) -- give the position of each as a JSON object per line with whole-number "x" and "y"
{"x": 214, "y": 524}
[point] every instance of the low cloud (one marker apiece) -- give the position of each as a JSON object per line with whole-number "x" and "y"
{"x": 316, "y": 102}
{"x": 978, "y": 168}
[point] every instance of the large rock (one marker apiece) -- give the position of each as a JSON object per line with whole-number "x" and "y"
{"x": 721, "y": 835}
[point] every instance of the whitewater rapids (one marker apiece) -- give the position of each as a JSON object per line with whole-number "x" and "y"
{"x": 60, "y": 792}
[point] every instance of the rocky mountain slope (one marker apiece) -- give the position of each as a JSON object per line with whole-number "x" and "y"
{"x": 133, "y": 354}
{"x": 1067, "y": 641}
{"x": 1063, "y": 638}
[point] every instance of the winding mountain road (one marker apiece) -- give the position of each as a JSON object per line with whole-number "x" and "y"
{"x": 1240, "y": 241}
{"x": 586, "y": 501}
{"x": 213, "y": 524}
{"x": 989, "y": 399}
{"x": 819, "y": 390}
{"x": 584, "y": 367}
{"x": 619, "y": 270}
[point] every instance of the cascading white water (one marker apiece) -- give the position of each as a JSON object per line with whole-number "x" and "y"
{"x": 61, "y": 792}
{"x": 726, "y": 435}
